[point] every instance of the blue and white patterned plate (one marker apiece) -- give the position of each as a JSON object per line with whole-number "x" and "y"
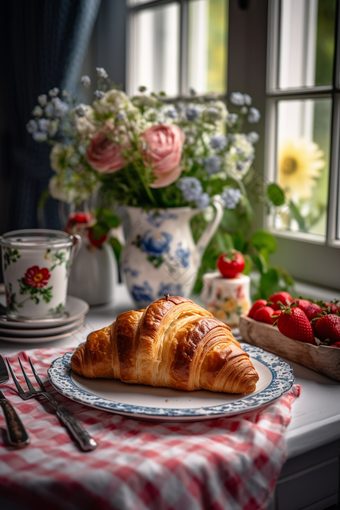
{"x": 146, "y": 402}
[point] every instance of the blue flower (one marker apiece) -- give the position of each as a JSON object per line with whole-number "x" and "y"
{"x": 192, "y": 114}
{"x": 218, "y": 142}
{"x": 169, "y": 288}
{"x": 60, "y": 107}
{"x": 99, "y": 94}
{"x": 231, "y": 197}
{"x": 254, "y": 115}
{"x": 203, "y": 201}
{"x": 183, "y": 256}
{"x": 53, "y": 92}
{"x": 172, "y": 113}
{"x": 142, "y": 294}
{"x": 253, "y": 137}
{"x": 237, "y": 98}
{"x": 212, "y": 164}
{"x": 191, "y": 188}
{"x": 232, "y": 119}
{"x": 156, "y": 244}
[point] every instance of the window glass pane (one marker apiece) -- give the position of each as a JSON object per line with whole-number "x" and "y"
{"x": 307, "y": 37}
{"x": 303, "y": 148}
{"x": 207, "y": 45}
{"x": 155, "y": 50}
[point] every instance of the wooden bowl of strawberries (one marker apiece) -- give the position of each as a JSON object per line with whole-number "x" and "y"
{"x": 301, "y": 330}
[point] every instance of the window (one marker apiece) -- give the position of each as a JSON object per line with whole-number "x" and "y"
{"x": 285, "y": 54}
{"x": 303, "y": 137}
{"x": 175, "y": 46}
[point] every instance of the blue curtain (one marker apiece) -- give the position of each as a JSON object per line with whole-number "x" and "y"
{"x": 42, "y": 45}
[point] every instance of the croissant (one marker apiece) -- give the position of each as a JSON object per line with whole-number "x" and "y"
{"x": 173, "y": 343}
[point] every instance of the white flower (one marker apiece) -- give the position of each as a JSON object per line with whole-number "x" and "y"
{"x": 53, "y": 127}
{"x": 60, "y": 156}
{"x": 85, "y": 81}
{"x": 84, "y": 124}
{"x": 38, "y": 136}
{"x": 216, "y": 111}
{"x": 101, "y": 73}
{"x": 37, "y": 111}
{"x": 42, "y": 100}
{"x": 241, "y": 151}
{"x": 60, "y": 192}
{"x": 32, "y": 126}
{"x": 231, "y": 197}
{"x": 64, "y": 94}
{"x": 49, "y": 110}
{"x": 253, "y": 137}
{"x": 44, "y": 124}
{"x": 60, "y": 107}
{"x": 254, "y": 115}
{"x": 237, "y": 98}
{"x": 112, "y": 102}
{"x": 53, "y": 92}
{"x": 232, "y": 119}
{"x": 247, "y": 99}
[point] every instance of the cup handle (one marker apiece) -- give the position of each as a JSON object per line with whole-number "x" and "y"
{"x": 77, "y": 242}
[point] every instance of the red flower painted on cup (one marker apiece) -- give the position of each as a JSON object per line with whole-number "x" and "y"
{"x": 36, "y": 277}
{"x": 104, "y": 155}
{"x": 164, "y": 150}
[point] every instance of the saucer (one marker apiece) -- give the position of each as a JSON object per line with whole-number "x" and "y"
{"x": 40, "y": 339}
{"x": 75, "y": 309}
{"x": 15, "y": 332}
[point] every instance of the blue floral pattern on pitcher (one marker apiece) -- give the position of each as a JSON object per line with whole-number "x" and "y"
{"x": 172, "y": 289}
{"x": 157, "y": 218}
{"x": 142, "y": 294}
{"x": 155, "y": 244}
{"x": 183, "y": 255}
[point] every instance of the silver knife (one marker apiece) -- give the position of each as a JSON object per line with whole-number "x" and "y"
{"x": 16, "y": 432}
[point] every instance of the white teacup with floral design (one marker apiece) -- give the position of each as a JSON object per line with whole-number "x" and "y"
{"x": 226, "y": 298}
{"x": 36, "y": 266}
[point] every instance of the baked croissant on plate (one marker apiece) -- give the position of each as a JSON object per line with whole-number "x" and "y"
{"x": 173, "y": 343}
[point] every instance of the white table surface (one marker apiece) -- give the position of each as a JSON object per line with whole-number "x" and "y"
{"x": 315, "y": 414}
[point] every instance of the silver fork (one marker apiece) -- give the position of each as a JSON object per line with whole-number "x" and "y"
{"x": 84, "y": 440}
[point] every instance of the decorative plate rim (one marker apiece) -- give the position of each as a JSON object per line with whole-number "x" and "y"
{"x": 282, "y": 381}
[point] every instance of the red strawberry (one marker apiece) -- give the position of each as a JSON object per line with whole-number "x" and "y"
{"x": 293, "y": 322}
{"x": 328, "y": 326}
{"x": 332, "y": 308}
{"x": 337, "y": 344}
{"x": 264, "y": 314}
{"x": 310, "y": 309}
{"x": 96, "y": 242}
{"x": 258, "y": 304}
{"x": 283, "y": 297}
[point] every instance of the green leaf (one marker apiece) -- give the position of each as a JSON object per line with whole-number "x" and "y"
{"x": 248, "y": 264}
{"x": 117, "y": 247}
{"x": 269, "y": 282}
{"x": 262, "y": 239}
{"x": 99, "y": 230}
{"x": 260, "y": 263}
{"x": 275, "y": 194}
{"x": 224, "y": 241}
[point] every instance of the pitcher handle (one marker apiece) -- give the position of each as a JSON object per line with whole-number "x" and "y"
{"x": 211, "y": 228}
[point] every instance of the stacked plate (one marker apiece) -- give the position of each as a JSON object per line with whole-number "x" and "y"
{"x": 72, "y": 321}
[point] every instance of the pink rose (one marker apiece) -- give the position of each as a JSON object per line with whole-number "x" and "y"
{"x": 104, "y": 155}
{"x": 164, "y": 149}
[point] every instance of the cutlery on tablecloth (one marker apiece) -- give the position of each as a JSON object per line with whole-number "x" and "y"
{"x": 16, "y": 432}
{"x": 83, "y": 438}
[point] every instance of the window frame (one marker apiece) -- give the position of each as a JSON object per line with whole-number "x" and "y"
{"x": 307, "y": 256}
{"x": 183, "y": 82}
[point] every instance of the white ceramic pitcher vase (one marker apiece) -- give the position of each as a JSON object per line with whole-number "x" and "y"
{"x": 160, "y": 255}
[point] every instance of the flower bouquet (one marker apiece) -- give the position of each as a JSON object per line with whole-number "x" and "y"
{"x": 160, "y": 156}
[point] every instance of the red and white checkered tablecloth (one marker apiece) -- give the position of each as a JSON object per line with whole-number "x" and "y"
{"x": 218, "y": 464}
